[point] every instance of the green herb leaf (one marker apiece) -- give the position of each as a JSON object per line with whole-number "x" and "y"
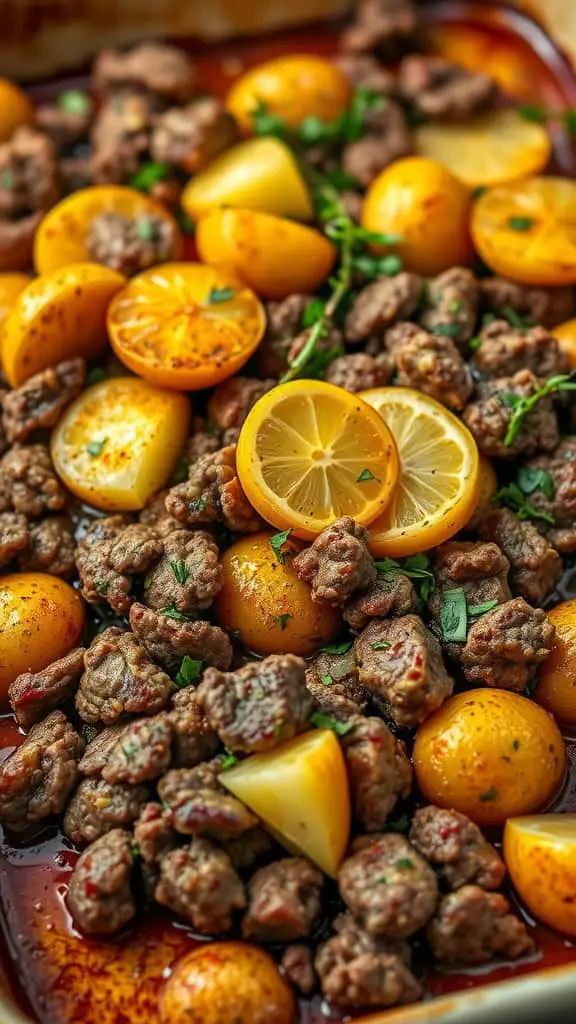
{"x": 342, "y": 648}
{"x": 523, "y": 406}
{"x": 96, "y": 375}
{"x": 171, "y": 612}
{"x": 148, "y": 175}
{"x": 95, "y": 447}
{"x": 490, "y": 794}
{"x": 400, "y": 824}
{"x": 475, "y": 343}
{"x": 533, "y": 112}
{"x": 455, "y": 306}
{"x": 220, "y": 295}
{"x": 514, "y": 318}
{"x": 181, "y": 571}
{"x": 416, "y": 567}
{"x": 145, "y": 228}
{"x": 7, "y": 180}
{"x": 481, "y": 609}
{"x": 569, "y": 121}
{"x": 180, "y": 473}
{"x": 277, "y": 542}
{"x": 404, "y": 862}
{"x": 511, "y": 496}
{"x": 516, "y": 744}
{"x": 264, "y": 123}
{"x": 367, "y": 474}
{"x": 75, "y": 101}
{"x": 520, "y": 223}
{"x": 197, "y": 504}
{"x": 453, "y": 615}
{"x": 531, "y": 480}
{"x": 229, "y": 761}
{"x": 101, "y": 587}
{"x": 380, "y": 645}
{"x": 313, "y": 310}
{"x": 283, "y": 620}
{"x": 321, "y": 721}
{"x": 188, "y": 673}
{"x": 326, "y": 680}
{"x": 449, "y": 330}
{"x": 342, "y": 181}
{"x": 134, "y": 850}
{"x": 479, "y": 191}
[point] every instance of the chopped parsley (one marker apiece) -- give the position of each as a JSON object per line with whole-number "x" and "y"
{"x": 454, "y": 615}
{"x": 489, "y": 795}
{"x": 95, "y": 447}
{"x": 188, "y": 673}
{"x": 531, "y": 480}
{"x": 229, "y": 761}
{"x": 145, "y": 228}
{"x": 75, "y": 101}
{"x": 101, "y": 587}
{"x": 367, "y": 474}
{"x": 129, "y": 750}
{"x": 569, "y": 121}
{"x": 416, "y": 567}
{"x": 516, "y": 744}
{"x": 522, "y": 406}
{"x": 321, "y": 721}
{"x": 134, "y": 850}
{"x": 513, "y": 496}
{"x": 264, "y": 123}
{"x": 342, "y": 648}
{"x": 404, "y": 862}
{"x": 533, "y": 112}
{"x": 96, "y": 375}
{"x": 180, "y": 473}
{"x": 312, "y": 311}
{"x": 171, "y": 612}
{"x": 380, "y": 645}
{"x": 148, "y": 175}
{"x": 515, "y": 320}
{"x": 181, "y": 571}
{"x": 475, "y": 343}
{"x": 277, "y": 542}
{"x": 520, "y": 223}
{"x": 326, "y": 680}
{"x": 197, "y": 504}
{"x": 220, "y": 295}
{"x": 448, "y": 330}
{"x": 400, "y": 824}
{"x": 455, "y": 306}
{"x": 481, "y": 609}
{"x": 283, "y": 620}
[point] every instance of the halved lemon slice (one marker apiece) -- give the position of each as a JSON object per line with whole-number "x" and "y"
{"x": 438, "y": 486}
{"x": 527, "y": 231}
{"x": 540, "y": 854}
{"x": 487, "y": 150}
{"x": 310, "y": 452}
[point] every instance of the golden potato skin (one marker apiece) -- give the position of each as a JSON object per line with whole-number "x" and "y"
{"x": 265, "y": 601}
{"x": 490, "y": 754}
{"x": 227, "y": 983}
{"x": 41, "y": 619}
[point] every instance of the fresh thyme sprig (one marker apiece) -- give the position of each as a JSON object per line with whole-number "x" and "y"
{"x": 521, "y": 407}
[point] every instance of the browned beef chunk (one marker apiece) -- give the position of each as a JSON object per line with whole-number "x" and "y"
{"x": 39, "y": 402}
{"x": 505, "y": 647}
{"x": 231, "y": 402}
{"x": 190, "y": 137}
{"x": 546, "y": 306}
{"x": 385, "y": 25}
{"x": 130, "y": 244}
{"x": 338, "y": 563}
{"x": 120, "y": 679}
{"x": 561, "y": 505}
{"x": 284, "y": 323}
{"x": 99, "y": 896}
{"x": 111, "y": 551}
{"x": 205, "y": 440}
{"x": 153, "y": 835}
{"x": 298, "y": 969}
{"x": 29, "y": 186}
{"x": 97, "y": 807}
{"x": 366, "y": 72}
{"x": 196, "y": 804}
{"x": 51, "y": 548}
{"x": 473, "y": 926}
{"x": 479, "y": 570}
{"x": 333, "y": 682}
{"x": 155, "y": 513}
{"x": 258, "y": 706}
{"x": 187, "y": 577}
{"x": 76, "y": 172}
{"x": 67, "y": 122}
{"x": 401, "y": 662}
{"x": 193, "y": 741}
{"x": 14, "y": 536}
{"x": 156, "y": 68}
{"x": 505, "y": 350}
{"x": 391, "y": 595}
{"x": 388, "y": 886}
{"x": 212, "y": 494}
{"x": 179, "y": 783}
{"x": 120, "y": 137}
{"x": 360, "y": 371}
{"x": 379, "y": 770}
{"x": 381, "y": 304}
{"x": 199, "y": 883}
{"x": 28, "y": 482}
{"x": 33, "y": 694}
{"x": 169, "y": 640}
{"x": 431, "y": 363}
{"x": 456, "y": 848}
{"x": 386, "y": 137}
{"x": 442, "y": 90}
{"x": 249, "y": 849}
{"x": 451, "y": 305}
{"x": 358, "y": 970}
{"x": 99, "y": 749}
{"x": 535, "y": 566}
{"x": 488, "y": 416}
{"x": 37, "y": 779}
{"x": 142, "y": 753}
{"x": 283, "y": 901}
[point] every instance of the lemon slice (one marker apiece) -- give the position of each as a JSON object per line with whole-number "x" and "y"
{"x": 439, "y": 467}
{"x": 310, "y": 452}
{"x": 487, "y": 150}
{"x": 540, "y": 854}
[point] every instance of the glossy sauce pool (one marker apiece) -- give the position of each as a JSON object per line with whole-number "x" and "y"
{"x": 61, "y": 977}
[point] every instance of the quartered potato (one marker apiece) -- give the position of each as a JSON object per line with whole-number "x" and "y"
{"x": 540, "y": 854}
{"x": 118, "y": 443}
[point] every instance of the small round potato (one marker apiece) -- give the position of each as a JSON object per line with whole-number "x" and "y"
{"x": 41, "y": 620}
{"x": 227, "y": 983}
